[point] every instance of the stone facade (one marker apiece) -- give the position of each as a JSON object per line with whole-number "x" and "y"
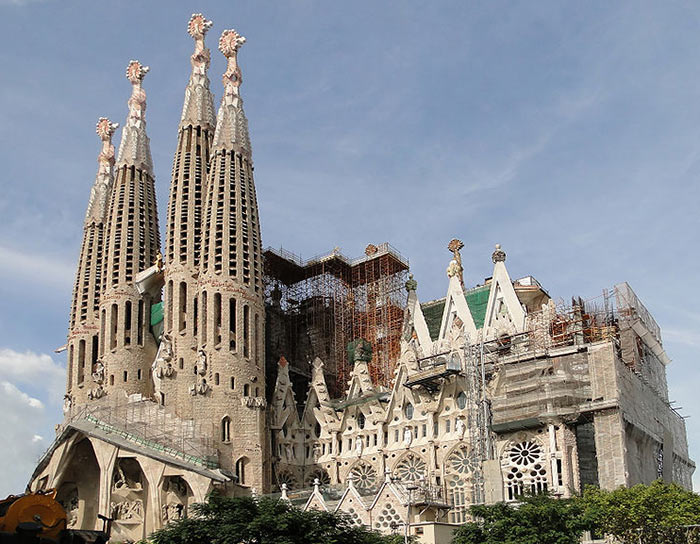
{"x": 497, "y": 390}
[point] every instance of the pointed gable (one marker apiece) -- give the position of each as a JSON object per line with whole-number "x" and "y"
{"x": 504, "y": 313}
{"x": 283, "y": 401}
{"x": 456, "y": 307}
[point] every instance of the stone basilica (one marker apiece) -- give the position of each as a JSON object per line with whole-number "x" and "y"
{"x": 212, "y": 363}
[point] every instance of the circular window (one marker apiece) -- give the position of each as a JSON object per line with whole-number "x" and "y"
{"x": 408, "y": 411}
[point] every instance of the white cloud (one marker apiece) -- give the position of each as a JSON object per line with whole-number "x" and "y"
{"x": 20, "y": 446}
{"x": 31, "y": 389}
{"x": 37, "y": 370}
{"x": 28, "y": 267}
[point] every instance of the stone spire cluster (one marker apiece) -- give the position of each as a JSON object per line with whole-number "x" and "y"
{"x": 208, "y": 361}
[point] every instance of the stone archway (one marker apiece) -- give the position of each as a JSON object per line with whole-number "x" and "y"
{"x": 78, "y": 486}
{"x": 176, "y": 497}
{"x": 129, "y": 502}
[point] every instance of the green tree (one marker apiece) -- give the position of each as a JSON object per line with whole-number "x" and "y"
{"x": 536, "y": 519}
{"x": 246, "y": 520}
{"x": 644, "y": 514}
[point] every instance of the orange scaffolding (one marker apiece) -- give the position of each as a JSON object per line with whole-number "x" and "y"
{"x": 318, "y": 306}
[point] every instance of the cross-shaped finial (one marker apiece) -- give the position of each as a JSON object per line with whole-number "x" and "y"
{"x": 105, "y": 129}
{"x": 136, "y": 71}
{"x": 198, "y": 26}
{"x": 454, "y": 246}
{"x": 230, "y": 42}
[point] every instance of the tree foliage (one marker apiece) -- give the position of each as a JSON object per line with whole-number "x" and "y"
{"x": 246, "y": 520}
{"x": 537, "y": 519}
{"x": 644, "y": 514}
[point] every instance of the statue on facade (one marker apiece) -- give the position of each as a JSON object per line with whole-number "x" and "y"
{"x": 98, "y": 372}
{"x": 407, "y": 436}
{"x": 359, "y": 444}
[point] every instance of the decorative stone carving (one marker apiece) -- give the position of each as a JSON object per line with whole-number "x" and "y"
{"x": 127, "y": 510}
{"x": 231, "y": 123}
{"x": 411, "y": 284}
{"x": 411, "y": 468}
{"x": 455, "y": 267}
{"x": 407, "y": 436}
{"x": 100, "y": 192}
{"x": 172, "y": 511}
{"x": 363, "y": 476}
{"x": 135, "y": 147}
{"x": 359, "y": 445}
{"x": 460, "y": 428}
{"x": 67, "y": 404}
{"x": 498, "y": 256}
{"x": 254, "y": 402}
{"x": 162, "y": 366}
{"x": 98, "y": 373}
{"x": 96, "y": 393}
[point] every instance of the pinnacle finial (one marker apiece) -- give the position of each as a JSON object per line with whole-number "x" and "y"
{"x": 105, "y": 129}
{"x": 135, "y": 72}
{"x": 229, "y": 44}
{"x": 198, "y": 26}
{"x": 498, "y": 255}
{"x": 411, "y": 284}
{"x": 455, "y": 268}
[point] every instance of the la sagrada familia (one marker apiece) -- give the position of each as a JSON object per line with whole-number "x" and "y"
{"x": 197, "y": 366}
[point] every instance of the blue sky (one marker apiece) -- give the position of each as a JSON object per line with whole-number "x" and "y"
{"x": 567, "y": 132}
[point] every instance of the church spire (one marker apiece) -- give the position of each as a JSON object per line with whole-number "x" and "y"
{"x": 83, "y": 332}
{"x": 135, "y": 148}
{"x": 183, "y": 231}
{"x": 99, "y": 195}
{"x": 132, "y": 244}
{"x": 231, "y": 123}
{"x": 198, "y": 109}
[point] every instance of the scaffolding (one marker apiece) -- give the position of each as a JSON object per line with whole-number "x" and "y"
{"x": 316, "y": 307}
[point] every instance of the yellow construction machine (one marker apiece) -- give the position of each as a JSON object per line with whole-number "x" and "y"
{"x": 38, "y": 518}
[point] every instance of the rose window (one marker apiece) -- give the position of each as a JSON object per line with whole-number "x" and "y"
{"x": 364, "y": 476}
{"x": 461, "y": 461}
{"x": 286, "y": 478}
{"x": 412, "y": 468}
{"x": 525, "y": 453}
{"x": 321, "y": 475}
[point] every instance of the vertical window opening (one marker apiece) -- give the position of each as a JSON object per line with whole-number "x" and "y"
{"x": 127, "y": 323}
{"x": 246, "y": 331}
{"x": 217, "y": 318}
{"x": 232, "y": 324}
{"x": 182, "y": 307}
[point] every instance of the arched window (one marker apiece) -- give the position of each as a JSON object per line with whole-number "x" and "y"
{"x": 408, "y": 410}
{"x": 240, "y": 470}
{"x": 361, "y": 420}
{"x": 461, "y": 400}
{"x": 226, "y": 429}
{"x": 246, "y": 390}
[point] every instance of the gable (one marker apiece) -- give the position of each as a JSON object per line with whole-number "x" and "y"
{"x": 477, "y": 301}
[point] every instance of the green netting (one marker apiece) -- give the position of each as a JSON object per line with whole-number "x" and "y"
{"x": 477, "y": 300}
{"x": 156, "y": 313}
{"x": 433, "y": 317}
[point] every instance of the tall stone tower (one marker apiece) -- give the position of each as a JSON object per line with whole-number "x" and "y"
{"x": 84, "y": 330}
{"x": 184, "y": 222}
{"x": 132, "y": 244}
{"x": 229, "y": 379}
